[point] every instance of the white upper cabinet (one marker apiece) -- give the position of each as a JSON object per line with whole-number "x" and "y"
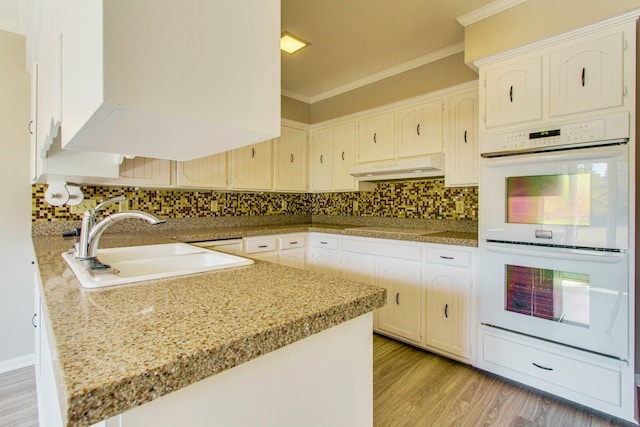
{"x": 588, "y": 76}
{"x": 252, "y": 167}
{"x": 420, "y": 129}
{"x": 514, "y": 92}
{"x": 291, "y": 160}
{"x": 320, "y": 161}
{"x": 376, "y": 137}
{"x": 344, "y": 156}
{"x": 462, "y": 152}
{"x": 205, "y": 172}
{"x": 153, "y": 79}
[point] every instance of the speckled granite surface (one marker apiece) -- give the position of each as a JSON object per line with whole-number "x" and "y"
{"x": 121, "y": 347}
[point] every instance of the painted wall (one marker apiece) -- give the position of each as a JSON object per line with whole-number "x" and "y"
{"x": 293, "y": 109}
{"x": 535, "y": 20}
{"x": 16, "y": 253}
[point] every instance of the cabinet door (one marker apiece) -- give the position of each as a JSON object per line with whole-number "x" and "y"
{"x": 291, "y": 160}
{"x": 320, "y": 160}
{"x": 587, "y": 77}
{"x": 292, "y": 258}
{"x": 205, "y": 172}
{"x": 343, "y": 157}
{"x": 326, "y": 261}
{"x": 376, "y": 137}
{"x": 420, "y": 129}
{"x": 402, "y": 280}
{"x": 357, "y": 267}
{"x": 514, "y": 92}
{"x": 447, "y": 319}
{"x": 462, "y": 149}
{"x": 251, "y": 167}
{"x": 143, "y": 171}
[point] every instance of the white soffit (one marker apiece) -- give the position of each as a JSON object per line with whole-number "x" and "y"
{"x": 487, "y": 11}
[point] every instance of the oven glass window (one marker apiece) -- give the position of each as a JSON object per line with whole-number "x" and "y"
{"x": 548, "y": 294}
{"x": 563, "y": 199}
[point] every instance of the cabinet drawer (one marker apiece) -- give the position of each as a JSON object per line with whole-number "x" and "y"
{"x": 449, "y": 257}
{"x": 381, "y": 247}
{"x": 290, "y": 242}
{"x": 323, "y": 242}
{"x": 596, "y": 381}
{"x": 262, "y": 244}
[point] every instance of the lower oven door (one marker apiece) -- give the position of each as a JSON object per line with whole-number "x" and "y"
{"x": 572, "y": 297}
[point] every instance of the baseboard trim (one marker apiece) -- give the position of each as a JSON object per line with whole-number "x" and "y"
{"x": 20, "y": 362}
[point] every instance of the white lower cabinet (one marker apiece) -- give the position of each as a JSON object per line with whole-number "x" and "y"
{"x": 448, "y": 296}
{"x": 401, "y": 316}
{"x": 287, "y": 249}
{"x": 323, "y": 256}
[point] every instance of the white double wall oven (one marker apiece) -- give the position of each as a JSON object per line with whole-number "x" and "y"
{"x": 554, "y": 233}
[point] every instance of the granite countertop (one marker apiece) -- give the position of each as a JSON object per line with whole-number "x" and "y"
{"x": 120, "y": 347}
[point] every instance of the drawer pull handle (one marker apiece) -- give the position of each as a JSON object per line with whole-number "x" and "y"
{"x": 446, "y": 257}
{"x": 584, "y": 75}
{"x": 30, "y": 129}
{"x": 418, "y": 129}
{"x": 263, "y": 246}
{"x": 253, "y": 152}
{"x": 33, "y": 320}
{"x": 343, "y": 155}
{"x": 291, "y": 158}
{"x": 397, "y": 298}
{"x": 465, "y": 136}
{"x": 375, "y": 138}
{"x": 324, "y": 243}
{"x": 541, "y": 367}
{"x": 293, "y": 243}
{"x": 321, "y": 159}
{"x": 446, "y": 311}
{"x": 511, "y": 94}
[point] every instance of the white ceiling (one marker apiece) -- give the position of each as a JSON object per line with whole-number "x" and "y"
{"x": 353, "y": 42}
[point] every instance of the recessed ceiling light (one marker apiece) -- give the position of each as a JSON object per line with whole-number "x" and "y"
{"x": 290, "y": 43}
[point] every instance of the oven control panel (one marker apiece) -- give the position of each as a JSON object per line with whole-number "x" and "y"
{"x": 603, "y": 128}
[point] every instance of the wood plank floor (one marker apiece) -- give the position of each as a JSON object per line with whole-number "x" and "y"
{"x": 18, "y": 404}
{"x": 413, "y": 387}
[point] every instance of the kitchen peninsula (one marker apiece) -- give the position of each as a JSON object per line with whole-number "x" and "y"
{"x": 287, "y": 344}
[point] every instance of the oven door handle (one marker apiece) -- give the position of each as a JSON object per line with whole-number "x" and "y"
{"x": 525, "y": 157}
{"x": 565, "y": 254}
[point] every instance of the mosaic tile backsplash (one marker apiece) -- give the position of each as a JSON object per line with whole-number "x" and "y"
{"x": 428, "y": 199}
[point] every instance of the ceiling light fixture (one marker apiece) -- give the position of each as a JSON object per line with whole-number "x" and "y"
{"x": 291, "y": 44}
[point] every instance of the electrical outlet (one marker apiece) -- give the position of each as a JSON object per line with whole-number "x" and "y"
{"x": 284, "y": 205}
{"x": 459, "y": 206}
{"x": 214, "y": 206}
{"x": 355, "y": 206}
{"x": 123, "y": 206}
{"x": 81, "y": 207}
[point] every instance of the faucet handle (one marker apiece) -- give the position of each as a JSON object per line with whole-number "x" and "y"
{"x": 108, "y": 202}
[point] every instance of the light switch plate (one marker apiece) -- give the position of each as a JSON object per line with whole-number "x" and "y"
{"x": 81, "y": 207}
{"x": 459, "y": 206}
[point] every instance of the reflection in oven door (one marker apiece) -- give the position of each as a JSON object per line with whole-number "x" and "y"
{"x": 572, "y": 297}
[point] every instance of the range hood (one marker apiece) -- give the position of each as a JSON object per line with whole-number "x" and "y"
{"x": 428, "y": 166}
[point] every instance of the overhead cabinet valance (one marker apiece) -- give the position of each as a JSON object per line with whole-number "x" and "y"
{"x": 169, "y": 80}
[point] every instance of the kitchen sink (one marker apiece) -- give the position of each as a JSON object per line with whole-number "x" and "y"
{"x": 141, "y": 263}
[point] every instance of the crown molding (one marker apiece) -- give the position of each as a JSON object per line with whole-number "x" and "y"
{"x": 390, "y": 72}
{"x": 295, "y": 96}
{"x": 487, "y": 11}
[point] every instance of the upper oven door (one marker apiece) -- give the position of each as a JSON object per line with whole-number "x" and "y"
{"x": 575, "y": 198}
